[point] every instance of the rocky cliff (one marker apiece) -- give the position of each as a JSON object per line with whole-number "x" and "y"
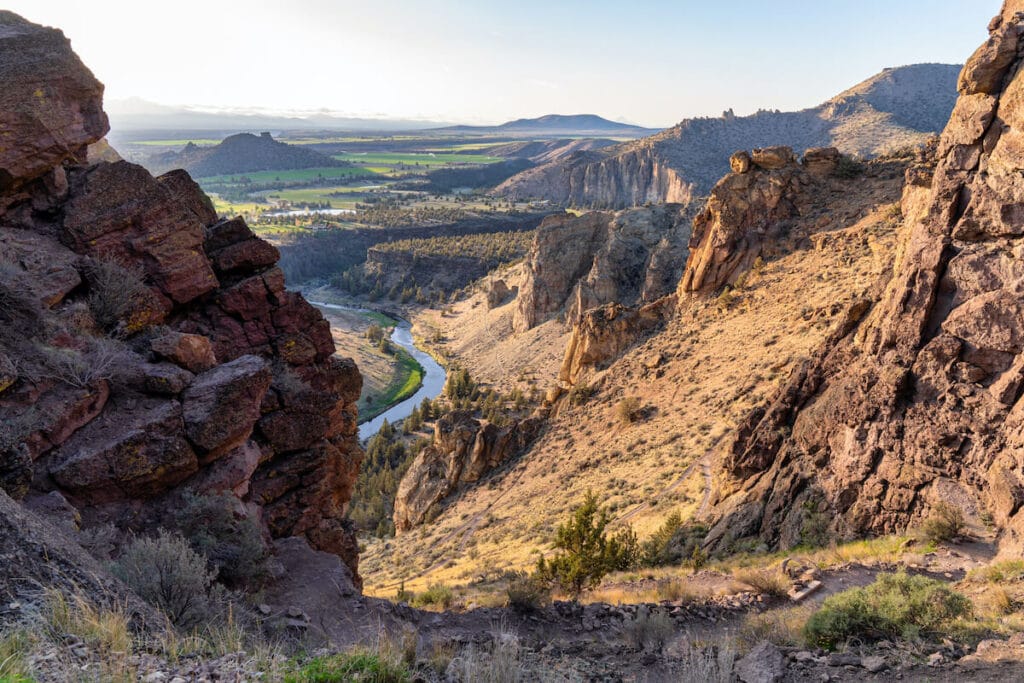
{"x": 895, "y": 108}
{"x": 464, "y": 449}
{"x": 748, "y": 210}
{"x": 915, "y": 398}
{"x": 578, "y": 263}
{"x": 148, "y": 348}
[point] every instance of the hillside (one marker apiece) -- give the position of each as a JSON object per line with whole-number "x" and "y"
{"x": 555, "y": 125}
{"x": 893, "y": 109}
{"x": 241, "y": 153}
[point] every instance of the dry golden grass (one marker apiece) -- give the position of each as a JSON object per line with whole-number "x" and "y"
{"x": 772, "y": 582}
{"x": 720, "y": 363}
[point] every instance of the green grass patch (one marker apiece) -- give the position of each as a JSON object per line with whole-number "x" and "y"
{"x": 288, "y": 176}
{"x": 355, "y": 666}
{"x": 896, "y": 605}
{"x": 379, "y": 318}
{"x": 406, "y": 381}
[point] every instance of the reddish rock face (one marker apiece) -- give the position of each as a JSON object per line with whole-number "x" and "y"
{"x": 51, "y": 106}
{"x": 919, "y": 402}
{"x": 193, "y": 407}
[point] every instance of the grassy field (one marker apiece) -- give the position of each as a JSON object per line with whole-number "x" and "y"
{"x": 302, "y": 174}
{"x": 424, "y": 160}
{"x": 406, "y": 381}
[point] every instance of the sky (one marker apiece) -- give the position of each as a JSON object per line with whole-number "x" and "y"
{"x": 649, "y": 62}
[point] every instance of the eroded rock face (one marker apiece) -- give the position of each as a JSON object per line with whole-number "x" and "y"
{"x": 464, "y": 450}
{"x": 919, "y": 402}
{"x": 604, "y": 333}
{"x": 576, "y": 264}
{"x": 238, "y": 391}
{"x": 748, "y": 208}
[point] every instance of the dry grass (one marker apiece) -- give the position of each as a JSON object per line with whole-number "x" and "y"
{"x": 783, "y": 627}
{"x": 718, "y": 366}
{"x": 771, "y": 582}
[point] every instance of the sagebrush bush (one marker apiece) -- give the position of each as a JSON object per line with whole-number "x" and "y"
{"x": 436, "y": 595}
{"x": 628, "y": 410}
{"x": 165, "y": 572}
{"x": 944, "y": 524}
{"x": 895, "y": 605}
{"x": 118, "y": 295}
{"x": 233, "y": 545}
{"x": 527, "y": 594}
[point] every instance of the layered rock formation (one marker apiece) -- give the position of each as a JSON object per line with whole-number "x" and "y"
{"x": 464, "y": 450}
{"x": 747, "y": 210}
{"x": 148, "y": 348}
{"x": 578, "y": 263}
{"x": 895, "y": 108}
{"x": 919, "y": 402}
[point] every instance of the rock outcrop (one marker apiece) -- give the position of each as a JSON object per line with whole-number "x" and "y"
{"x": 604, "y": 333}
{"x": 896, "y": 108}
{"x": 148, "y": 348}
{"x": 464, "y": 450}
{"x": 747, "y": 209}
{"x": 918, "y": 401}
{"x": 578, "y": 263}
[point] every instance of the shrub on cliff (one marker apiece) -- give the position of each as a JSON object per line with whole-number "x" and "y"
{"x": 587, "y": 550}
{"x": 232, "y": 544}
{"x": 895, "y": 605}
{"x": 118, "y": 296}
{"x": 945, "y": 523}
{"x": 165, "y": 572}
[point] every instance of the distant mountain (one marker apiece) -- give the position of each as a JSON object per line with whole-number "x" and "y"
{"x": 134, "y": 115}
{"x": 895, "y": 108}
{"x": 544, "y": 151}
{"x": 587, "y": 125}
{"x": 241, "y": 153}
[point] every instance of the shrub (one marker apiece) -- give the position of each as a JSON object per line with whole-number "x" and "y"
{"x": 118, "y": 295}
{"x": 712, "y": 664}
{"x": 814, "y": 527}
{"x": 648, "y": 630}
{"x": 233, "y": 545}
{"x": 587, "y": 551}
{"x": 771, "y": 582}
{"x": 895, "y": 605}
{"x": 628, "y": 410}
{"x": 437, "y": 594}
{"x": 527, "y": 594}
{"x": 945, "y": 523}
{"x": 165, "y": 572}
{"x": 103, "y": 359}
{"x": 581, "y": 393}
{"x": 848, "y": 167}
{"x": 355, "y": 666}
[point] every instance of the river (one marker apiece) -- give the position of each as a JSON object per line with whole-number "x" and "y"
{"x": 433, "y": 375}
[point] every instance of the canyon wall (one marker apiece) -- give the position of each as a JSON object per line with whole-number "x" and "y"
{"x": 149, "y": 349}
{"x": 915, "y": 399}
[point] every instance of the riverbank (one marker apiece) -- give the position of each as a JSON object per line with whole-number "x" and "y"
{"x": 429, "y": 385}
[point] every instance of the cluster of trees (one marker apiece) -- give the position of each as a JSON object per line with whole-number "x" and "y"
{"x": 390, "y": 213}
{"x": 492, "y": 248}
{"x": 388, "y": 457}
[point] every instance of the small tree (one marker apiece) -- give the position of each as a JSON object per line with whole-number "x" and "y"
{"x": 588, "y": 553}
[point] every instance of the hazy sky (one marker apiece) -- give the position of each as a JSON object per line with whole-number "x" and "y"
{"x": 651, "y": 62}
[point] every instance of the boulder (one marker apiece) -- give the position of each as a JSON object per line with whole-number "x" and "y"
{"x": 740, "y": 162}
{"x": 119, "y": 211}
{"x": 498, "y": 293}
{"x": 764, "y": 664}
{"x": 770, "y": 158}
{"x": 132, "y": 450}
{"x": 222, "y": 405}
{"x": 190, "y": 351}
{"x": 821, "y": 160}
{"x": 51, "y": 106}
